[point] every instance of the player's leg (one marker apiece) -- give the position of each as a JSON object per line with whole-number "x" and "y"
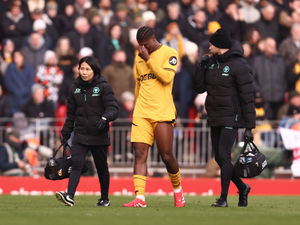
{"x": 223, "y": 139}
{"x": 100, "y": 158}
{"x": 142, "y": 137}
{"x": 164, "y": 140}
{"x": 139, "y": 175}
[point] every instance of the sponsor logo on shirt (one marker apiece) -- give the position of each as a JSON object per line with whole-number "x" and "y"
{"x": 147, "y": 76}
{"x": 173, "y": 60}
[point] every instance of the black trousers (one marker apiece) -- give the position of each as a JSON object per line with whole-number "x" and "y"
{"x": 99, "y": 153}
{"x": 222, "y": 139}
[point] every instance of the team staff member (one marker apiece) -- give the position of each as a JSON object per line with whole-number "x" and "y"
{"x": 91, "y": 105}
{"x": 227, "y": 78}
{"x": 154, "y": 112}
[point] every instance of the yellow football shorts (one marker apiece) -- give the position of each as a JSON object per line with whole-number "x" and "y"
{"x": 142, "y": 130}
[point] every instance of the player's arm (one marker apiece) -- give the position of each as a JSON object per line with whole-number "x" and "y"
{"x": 165, "y": 75}
{"x": 137, "y": 82}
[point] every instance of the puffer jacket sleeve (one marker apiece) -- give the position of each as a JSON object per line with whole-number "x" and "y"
{"x": 244, "y": 81}
{"x": 71, "y": 113}
{"x": 111, "y": 106}
{"x": 199, "y": 76}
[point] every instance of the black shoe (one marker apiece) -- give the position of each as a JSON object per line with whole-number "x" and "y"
{"x": 243, "y": 196}
{"x": 220, "y": 203}
{"x": 63, "y": 197}
{"x": 103, "y": 203}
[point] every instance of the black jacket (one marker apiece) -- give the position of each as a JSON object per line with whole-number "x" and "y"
{"x": 228, "y": 81}
{"x": 86, "y": 104}
{"x": 43, "y": 110}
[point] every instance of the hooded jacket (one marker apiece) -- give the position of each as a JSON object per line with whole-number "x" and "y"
{"x": 228, "y": 81}
{"x": 86, "y": 104}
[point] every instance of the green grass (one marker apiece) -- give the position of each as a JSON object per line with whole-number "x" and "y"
{"x": 44, "y": 210}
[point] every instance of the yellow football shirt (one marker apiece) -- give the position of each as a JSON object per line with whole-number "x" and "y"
{"x": 154, "y": 82}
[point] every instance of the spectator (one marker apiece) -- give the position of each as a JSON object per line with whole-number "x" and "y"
{"x": 66, "y": 84}
{"x": 6, "y": 56}
{"x": 136, "y": 10}
{"x": 251, "y": 14}
{"x": 149, "y": 19}
{"x": 35, "y": 50}
{"x": 293, "y": 75}
{"x": 38, "y": 106}
{"x": 36, "y": 4}
{"x": 112, "y": 43}
{"x": 233, "y": 21}
{"x": 95, "y": 20}
{"x": 15, "y": 24}
{"x": 66, "y": 19}
{"x": 132, "y": 47}
{"x": 253, "y": 37}
{"x": 186, "y": 8}
{"x": 212, "y": 11}
{"x": 174, "y": 39}
{"x": 81, "y": 6}
{"x": 51, "y": 19}
{"x": 271, "y": 78}
{"x": 82, "y": 35}
{"x": 198, "y": 5}
{"x": 191, "y": 57}
{"x": 12, "y": 160}
{"x": 50, "y": 76}
{"x": 290, "y": 46}
{"x": 173, "y": 15}
{"x": 18, "y": 80}
{"x": 121, "y": 17}
{"x": 291, "y": 109}
{"x": 195, "y": 28}
{"x": 105, "y": 12}
{"x": 65, "y": 56}
{"x": 40, "y": 26}
{"x": 153, "y": 5}
{"x": 85, "y": 51}
{"x": 268, "y": 25}
{"x": 126, "y": 105}
{"x": 119, "y": 75}
{"x": 5, "y": 111}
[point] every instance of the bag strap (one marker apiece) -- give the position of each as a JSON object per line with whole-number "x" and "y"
{"x": 56, "y": 150}
{"x": 62, "y": 144}
{"x": 250, "y": 143}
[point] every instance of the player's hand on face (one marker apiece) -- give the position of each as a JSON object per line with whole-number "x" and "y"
{"x": 143, "y": 53}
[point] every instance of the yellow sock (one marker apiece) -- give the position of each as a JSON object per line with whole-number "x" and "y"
{"x": 175, "y": 180}
{"x": 139, "y": 184}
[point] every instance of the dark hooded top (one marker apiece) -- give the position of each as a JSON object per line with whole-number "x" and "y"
{"x": 228, "y": 81}
{"x": 87, "y": 103}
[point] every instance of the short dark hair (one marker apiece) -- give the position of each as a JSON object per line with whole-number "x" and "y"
{"x": 92, "y": 62}
{"x": 144, "y": 33}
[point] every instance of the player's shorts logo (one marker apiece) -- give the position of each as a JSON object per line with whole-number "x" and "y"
{"x": 173, "y": 61}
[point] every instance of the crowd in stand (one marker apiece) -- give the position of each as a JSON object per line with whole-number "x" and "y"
{"x": 41, "y": 42}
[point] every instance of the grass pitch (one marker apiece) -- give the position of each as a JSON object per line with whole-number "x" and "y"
{"x": 46, "y": 210}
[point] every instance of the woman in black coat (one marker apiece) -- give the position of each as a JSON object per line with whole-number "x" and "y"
{"x": 227, "y": 78}
{"x": 91, "y": 105}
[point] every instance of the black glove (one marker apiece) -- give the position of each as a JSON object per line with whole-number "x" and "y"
{"x": 248, "y": 136}
{"x": 102, "y": 123}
